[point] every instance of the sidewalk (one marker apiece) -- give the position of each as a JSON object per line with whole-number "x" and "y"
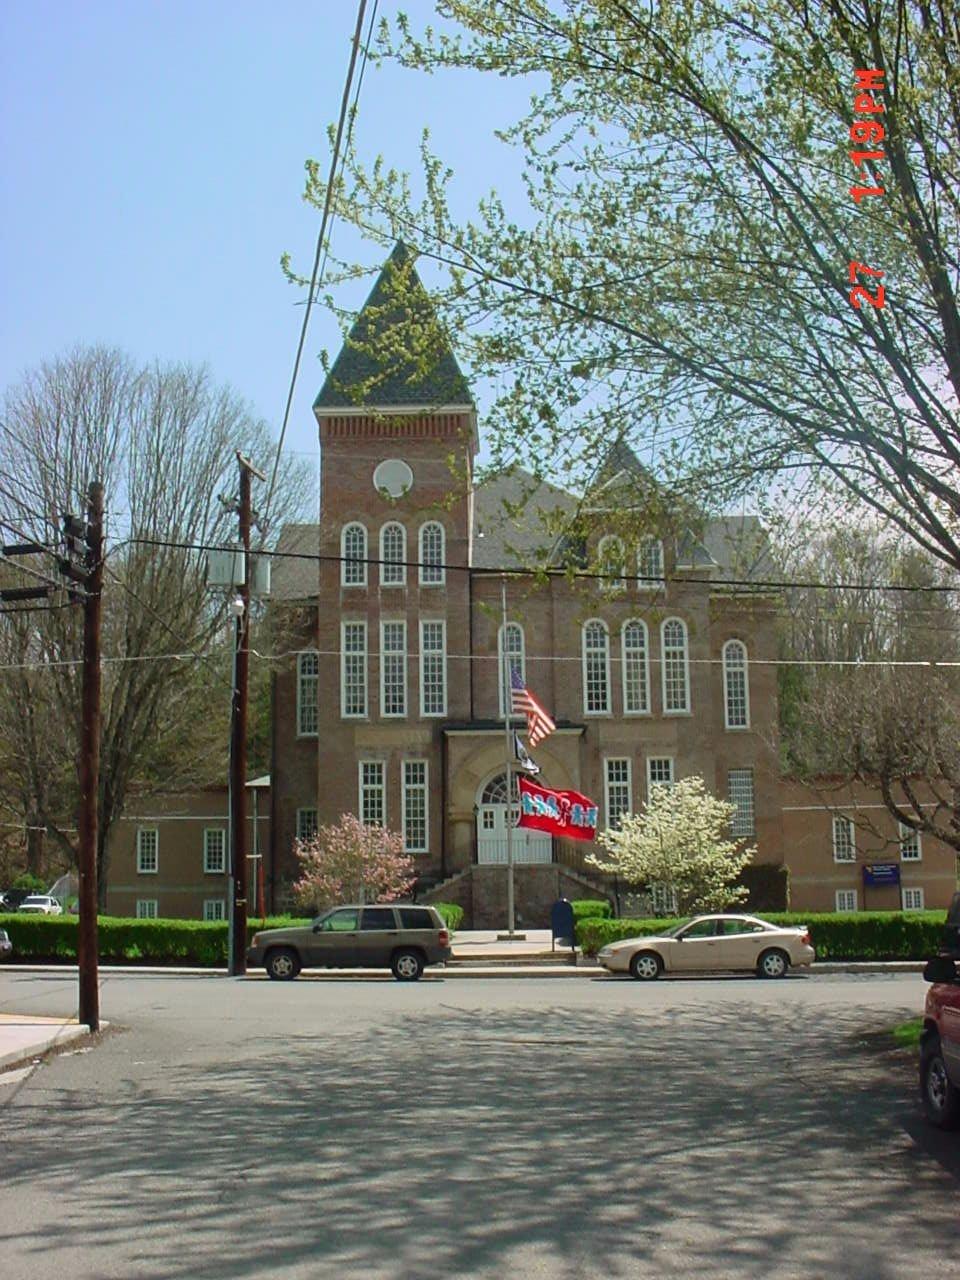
{"x": 24, "y": 1036}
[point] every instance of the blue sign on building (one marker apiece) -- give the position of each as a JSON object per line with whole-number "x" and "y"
{"x": 881, "y": 873}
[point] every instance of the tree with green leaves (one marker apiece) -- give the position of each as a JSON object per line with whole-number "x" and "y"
{"x": 682, "y": 275}
{"x": 679, "y": 840}
{"x": 163, "y": 440}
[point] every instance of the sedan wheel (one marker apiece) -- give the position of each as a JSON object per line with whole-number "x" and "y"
{"x": 283, "y": 964}
{"x": 773, "y": 964}
{"x": 407, "y": 966}
{"x": 941, "y": 1100}
{"x": 645, "y": 966}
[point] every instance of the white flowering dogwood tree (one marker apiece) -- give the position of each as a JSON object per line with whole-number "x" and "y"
{"x": 679, "y": 840}
{"x": 351, "y": 862}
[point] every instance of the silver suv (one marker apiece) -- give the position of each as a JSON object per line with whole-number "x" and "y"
{"x": 401, "y": 938}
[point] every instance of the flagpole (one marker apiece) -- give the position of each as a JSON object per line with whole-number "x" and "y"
{"x": 507, "y": 707}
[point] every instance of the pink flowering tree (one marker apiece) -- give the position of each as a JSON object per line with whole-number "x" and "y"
{"x": 351, "y": 862}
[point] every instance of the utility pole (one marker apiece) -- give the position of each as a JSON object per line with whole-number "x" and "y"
{"x": 237, "y": 959}
{"x": 89, "y": 769}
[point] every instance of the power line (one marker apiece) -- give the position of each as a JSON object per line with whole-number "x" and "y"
{"x": 322, "y": 234}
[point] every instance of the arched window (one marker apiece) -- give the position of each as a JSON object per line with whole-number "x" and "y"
{"x": 611, "y": 561}
{"x": 431, "y": 555}
{"x": 636, "y": 668}
{"x": 736, "y": 686}
{"x": 353, "y": 552}
{"x": 512, "y": 657}
{"x": 596, "y": 668}
{"x": 393, "y": 554}
{"x": 308, "y": 688}
{"x": 676, "y": 671}
{"x": 495, "y": 792}
{"x": 650, "y": 565}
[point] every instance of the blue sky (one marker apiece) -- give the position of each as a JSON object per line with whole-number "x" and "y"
{"x": 152, "y": 174}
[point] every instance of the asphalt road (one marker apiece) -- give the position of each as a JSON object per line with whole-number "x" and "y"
{"x": 486, "y": 1128}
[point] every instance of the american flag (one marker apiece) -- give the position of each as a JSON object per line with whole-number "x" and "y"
{"x": 522, "y": 702}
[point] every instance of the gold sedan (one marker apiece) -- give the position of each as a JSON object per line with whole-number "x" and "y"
{"x": 721, "y": 942}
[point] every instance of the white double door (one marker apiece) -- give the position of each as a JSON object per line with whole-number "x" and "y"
{"x": 527, "y": 846}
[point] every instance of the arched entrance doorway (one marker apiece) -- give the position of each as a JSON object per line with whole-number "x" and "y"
{"x": 528, "y": 846}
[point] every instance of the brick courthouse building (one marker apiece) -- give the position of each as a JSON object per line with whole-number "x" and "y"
{"x": 392, "y": 706}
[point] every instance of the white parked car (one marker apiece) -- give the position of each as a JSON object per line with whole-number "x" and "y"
{"x": 41, "y": 904}
{"x": 721, "y": 942}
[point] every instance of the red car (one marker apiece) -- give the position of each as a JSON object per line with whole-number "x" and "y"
{"x": 940, "y": 1044}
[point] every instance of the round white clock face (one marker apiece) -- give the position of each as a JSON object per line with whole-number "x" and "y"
{"x": 393, "y": 477}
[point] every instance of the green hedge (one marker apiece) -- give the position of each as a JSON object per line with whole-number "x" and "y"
{"x": 591, "y": 909}
{"x": 861, "y": 935}
{"x": 452, "y": 914}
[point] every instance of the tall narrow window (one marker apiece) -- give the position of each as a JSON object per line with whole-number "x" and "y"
{"x": 415, "y": 806}
{"x": 393, "y": 555}
{"x": 147, "y": 908}
{"x": 636, "y": 668}
{"x": 214, "y": 909}
{"x": 373, "y": 802}
{"x": 611, "y": 562}
{"x": 393, "y": 668}
{"x": 650, "y": 565}
{"x": 740, "y": 794}
{"x": 617, "y": 789}
{"x": 512, "y": 657}
{"x": 307, "y": 823}
{"x": 844, "y": 848}
{"x": 353, "y": 552}
{"x": 736, "y": 688}
{"x": 846, "y": 899}
{"x": 308, "y": 694}
{"x": 659, "y": 773}
{"x": 353, "y": 669}
{"x": 912, "y": 899}
{"x": 596, "y": 668}
{"x": 148, "y": 851}
{"x": 433, "y": 669}
{"x": 431, "y": 555}
{"x": 214, "y": 851}
{"x": 910, "y": 847}
{"x": 676, "y": 674}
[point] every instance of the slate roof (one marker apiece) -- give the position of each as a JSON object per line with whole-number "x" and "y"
{"x": 511, "y": 519}
{"x": 296, "y": 579}
{"x": 398, "y": 316}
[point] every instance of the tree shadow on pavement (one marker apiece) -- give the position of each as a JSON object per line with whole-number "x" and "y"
{"x": 568, "y": 1143}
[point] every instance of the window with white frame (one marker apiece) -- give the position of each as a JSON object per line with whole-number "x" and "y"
{"x": 844, "y": 846}
{"x": 846, "y": 900}
{"x": 393, "y": 668}
{"x": 414, "y": 798}
{"x": 148, "y": 851}
{"x": 912, "y": 899}
{"x": 659, "y": 773}
{"x": 308, "y": 694}
{"x": 353, "y": 552}
{"x": 393, "y": 555}
{"x": 650, "y": 564}
{"x": 611, "y": 562}
{"x": 433, "y": 668}
{"x": 736, "y": 688}
{"x": 911, "y": 849}
{"x": 510, "y": 643}
{"x": 214, "y": 909}
{"x": 214, "y": 850}
{"x": 676, "y": 667}
{"x": 373, "y": 800}
{"x": 740, "y": 794}
{"x": 353, "y": 669}
{"x": 618, "y": 797}
{"x": 432, "y": 571}
{"x": 664, "y": 899}
{"x": 147, "y": 908}
{"x": 636, "y": 668}
{"x": 307, "y": 823}
{"x": 596, "y": 668}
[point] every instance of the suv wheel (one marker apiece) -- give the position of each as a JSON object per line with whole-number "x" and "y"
{"x": 407, "y": 966}
{"x": 941, "y": 1099}
{"x": 282, "y": 963}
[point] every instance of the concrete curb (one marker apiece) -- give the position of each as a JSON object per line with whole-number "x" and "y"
{"x": 29, "y": 1045}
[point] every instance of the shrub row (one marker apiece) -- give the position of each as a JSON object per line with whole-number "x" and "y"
{"x": 188, "y": 943}
{"x": 861, "y": 935}
{"x": 591, "y": 909}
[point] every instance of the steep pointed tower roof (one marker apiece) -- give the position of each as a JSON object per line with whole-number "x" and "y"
{"x": 396, "y": 354}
